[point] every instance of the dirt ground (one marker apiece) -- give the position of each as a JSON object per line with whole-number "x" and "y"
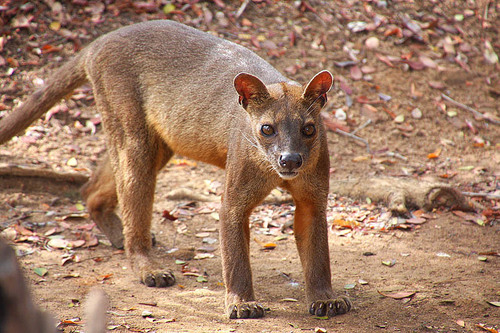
{"x": 433, "y": 271}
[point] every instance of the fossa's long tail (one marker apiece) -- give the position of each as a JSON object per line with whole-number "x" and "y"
{"x": 66, "y": 79}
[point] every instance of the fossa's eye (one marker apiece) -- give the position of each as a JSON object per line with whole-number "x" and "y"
{"x": 309, "y": 130}
{"x": 267, "y": 130}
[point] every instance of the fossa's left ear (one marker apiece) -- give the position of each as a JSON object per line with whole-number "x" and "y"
{"x": 317, "y": 88}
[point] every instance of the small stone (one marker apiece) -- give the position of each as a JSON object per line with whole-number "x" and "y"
{"x": 72, "y": 162}
{"x": 372, "y": 43}
{"x": 340, "y": 114}
{"x": 399, "y": 119}
{"x": 146, "y": 313}
{"x": 416, "y": 113}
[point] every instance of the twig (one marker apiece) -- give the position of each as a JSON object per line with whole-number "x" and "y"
{"x": 481, "y": 195}
{"x": 242, "y": 9}
{"x": 465, "y": 107}
{"x": 396, "y": 155}
{"x": 7, "y": 223}
{"x": 368, "y": 122}
{"x": 355, "y": 137}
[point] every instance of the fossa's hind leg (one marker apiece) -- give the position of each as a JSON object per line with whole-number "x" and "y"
{"x": 100, "y": 196}
{"x": 136, "y": 153}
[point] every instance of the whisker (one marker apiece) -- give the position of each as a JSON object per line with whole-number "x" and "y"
{"x": 309, "y": 111}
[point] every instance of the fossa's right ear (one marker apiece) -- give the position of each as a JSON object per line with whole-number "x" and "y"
{"x": 250, "y": 88}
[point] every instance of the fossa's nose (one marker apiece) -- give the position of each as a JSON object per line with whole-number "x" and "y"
{"x": 290, "y": 161}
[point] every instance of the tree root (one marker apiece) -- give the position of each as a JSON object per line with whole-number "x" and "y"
{"x": 400, "y": 194}
{"x": 8, "y": 170}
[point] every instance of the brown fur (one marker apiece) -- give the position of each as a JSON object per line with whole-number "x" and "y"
{"x": 164, "y": 88}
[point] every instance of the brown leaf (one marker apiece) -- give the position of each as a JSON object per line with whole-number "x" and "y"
{"x": 384, "y": 59}
{"x": 333, "y": 125}
{"x": 90, "y": 239}
{"x": 49, "y": 48}
{"x": 437, "y": 85}
{"x": 399, "y": 295}
{"x": 220, "y": 3}
{"x": 427, "y": 62}
{"x": 416, "y": 220}
{"x": 76, "y": 243}
{"x": 166, "y": 215}
{"x": 366, "y": 69}
{"x": 356, "y": 73}
{"x": 21, "y": 21}
{"x": 486, "y": 328}
{"x": 265, "y": 246}
{"x": 345, "y": 224}
{"x": 393, "y": 30}
{"x": 345, "y": 87}
{"x": 434, "y": 154}
{"x": 364, "y": 100}
{"x": 105, "y": 277}
{"x": 415, "y": 65}
{"x": 22, "y": 230}
{"x": 372, "y": 113}
{"x": 86, "y": 227}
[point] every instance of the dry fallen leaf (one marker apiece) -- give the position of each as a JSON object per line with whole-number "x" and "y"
{"x": 434, "y": 154}
{"x": 356, "y": 73}
{"x": 345, "y": 224}
{"x": 486, "y": 328}
{"x": 399, "y": 295}
{"x": 265, "y": 246}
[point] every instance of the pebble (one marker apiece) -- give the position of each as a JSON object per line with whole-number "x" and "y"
{"x": 340, "y": 114}
{"x": 399, "y": 119}
{"x": 416, "y": 113}
{"x": 372, "y": 43}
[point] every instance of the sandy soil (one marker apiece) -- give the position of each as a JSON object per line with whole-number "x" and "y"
{"x": 448, "y": 263}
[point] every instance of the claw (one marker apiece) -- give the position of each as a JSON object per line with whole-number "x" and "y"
{"x": 150, "y": 280}
{"x": 233, "y": 312}
{"x": 245, "y": 311}
{"x": 160, "y": 280}
{"x": 331, "y": 307}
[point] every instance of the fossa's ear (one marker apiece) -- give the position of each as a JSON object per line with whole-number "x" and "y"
{"x": 250, "y": 88}
{"x": 317, "y": 88}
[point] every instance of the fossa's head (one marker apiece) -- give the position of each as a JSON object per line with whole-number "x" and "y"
{"x": 285, "y": 120}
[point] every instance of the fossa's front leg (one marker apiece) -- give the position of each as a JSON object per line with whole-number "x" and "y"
{"x": 244, "y": 189}
{"x": 311, "y": 236}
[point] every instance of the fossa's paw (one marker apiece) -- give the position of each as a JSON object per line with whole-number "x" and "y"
{"x": 157, "y": 279}
{"x": 331, "y": 307}
{"x": 245, "y": 310}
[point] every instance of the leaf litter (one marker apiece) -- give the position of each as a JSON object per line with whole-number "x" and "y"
{"x": 448, "y": 48}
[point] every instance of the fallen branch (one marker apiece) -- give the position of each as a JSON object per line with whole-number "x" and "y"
{"x": 396, "y": 155}
{"x": 355, "y": 137}
{"x": 242, "y": 9}
{"x": 368, "y": 122}
{"x": 468, "y": 108}
{"x": 481, "y": 195}
{"x": 7, "y": 170}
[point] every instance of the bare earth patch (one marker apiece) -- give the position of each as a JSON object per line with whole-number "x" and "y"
{"x": 426, "y": 271}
